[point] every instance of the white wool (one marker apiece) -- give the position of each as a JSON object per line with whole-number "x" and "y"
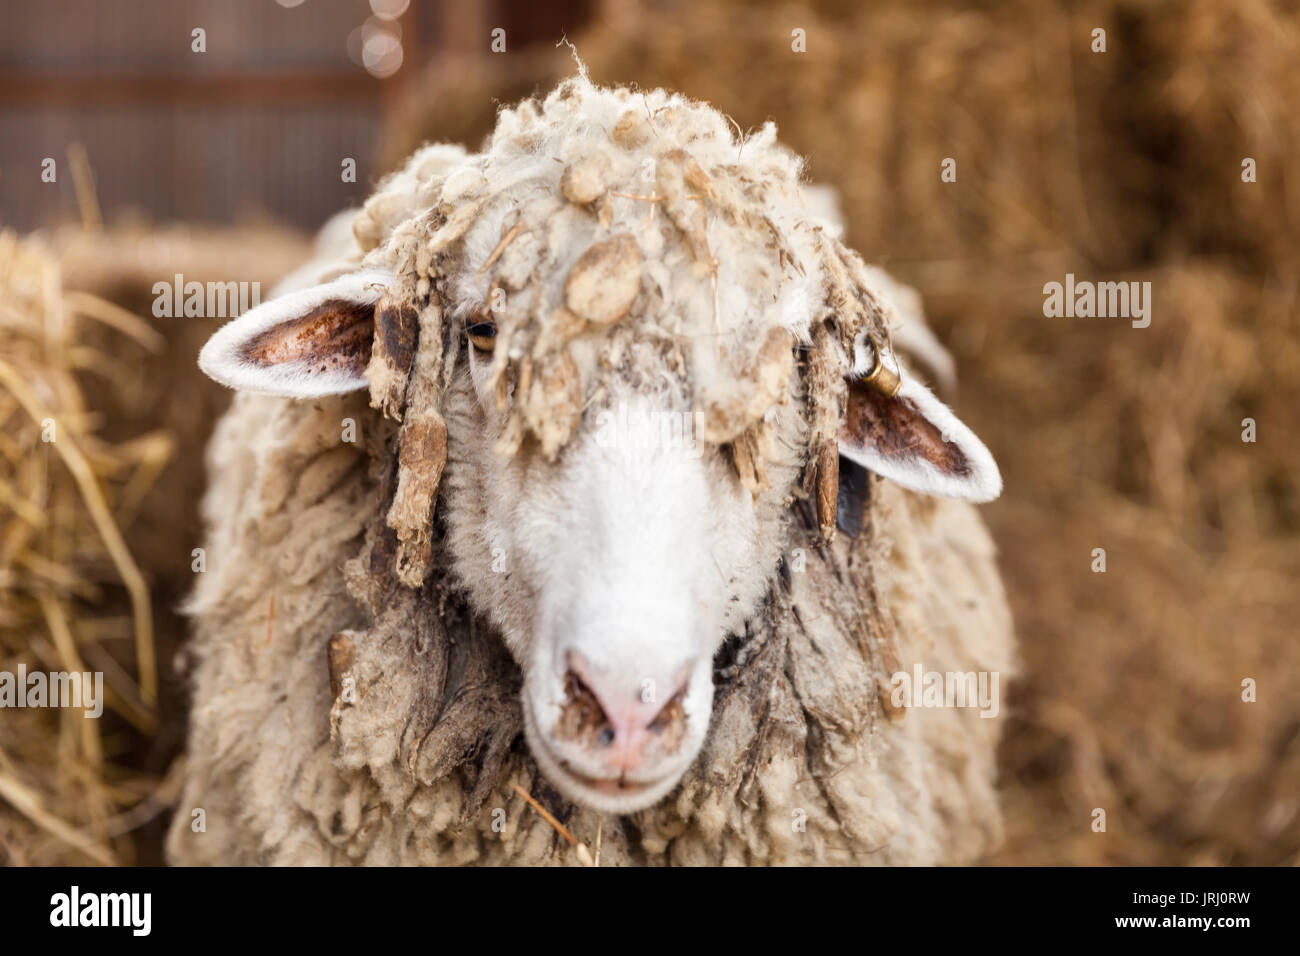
{"x": 529, "y": 154}
{"x": 648, "y": 558}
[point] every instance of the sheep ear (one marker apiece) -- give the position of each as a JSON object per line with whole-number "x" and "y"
{"x": 914, "y": 439}
{"x": 303, "y": 344}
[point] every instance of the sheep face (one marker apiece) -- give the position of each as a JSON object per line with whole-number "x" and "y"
{"x": 616, "y": 564}
{"x": 621, "y": 356}
{"x": 613, "y": 572}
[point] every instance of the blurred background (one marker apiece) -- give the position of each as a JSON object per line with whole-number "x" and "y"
{"x": 1115, "y": 164}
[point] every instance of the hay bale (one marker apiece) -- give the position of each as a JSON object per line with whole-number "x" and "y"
{"x": 80, "y": 340}
{"x": 1201, "y": 86}
{"x": 1131, "y": 441}
{"x": 68, "y": 491}
{"x": 164, "y": 389}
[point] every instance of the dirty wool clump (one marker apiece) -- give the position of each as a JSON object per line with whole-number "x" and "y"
{"x": 644, "y": 200}
{"x": 352, "y": 706}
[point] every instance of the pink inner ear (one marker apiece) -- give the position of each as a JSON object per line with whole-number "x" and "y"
{"x": 895, "y": 428}
{"x": 335, "y": 335}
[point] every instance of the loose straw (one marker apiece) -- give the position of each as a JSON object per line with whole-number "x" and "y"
{"x": 584, "y": 855}
{"x": 107, "y": 528}
{"x": 83, "y": 181}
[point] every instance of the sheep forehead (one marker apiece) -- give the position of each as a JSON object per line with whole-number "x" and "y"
{"x": 616, "y": 145}
{"x": 526, "y": 260}
{"x": 603, "y": 219}
{"x": 717, "y": 225}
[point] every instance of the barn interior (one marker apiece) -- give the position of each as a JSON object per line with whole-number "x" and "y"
{"x": 1112, "y": 140}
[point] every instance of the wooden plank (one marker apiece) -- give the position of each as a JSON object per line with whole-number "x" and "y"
{"x": 227, "y": 89}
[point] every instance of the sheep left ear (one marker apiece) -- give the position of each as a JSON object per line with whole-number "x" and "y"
{"x": 303, "y": 344}
{"x": 912, "y": 438}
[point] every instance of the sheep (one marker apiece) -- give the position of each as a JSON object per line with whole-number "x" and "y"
{"x": 535, "y": 498}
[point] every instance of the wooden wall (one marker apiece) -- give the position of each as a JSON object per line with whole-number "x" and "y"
{"x": 257, "y": 125}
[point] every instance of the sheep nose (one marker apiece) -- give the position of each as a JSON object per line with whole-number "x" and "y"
{"x": 625, "y": 726}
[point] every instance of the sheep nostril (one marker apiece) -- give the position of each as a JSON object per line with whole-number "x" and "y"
{"x": 635, "y": 731}
{"x": 582, "y": 717}
{"x": 672, "y": 717}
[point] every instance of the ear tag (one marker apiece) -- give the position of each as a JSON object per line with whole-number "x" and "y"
{"x": 883, "y": 379}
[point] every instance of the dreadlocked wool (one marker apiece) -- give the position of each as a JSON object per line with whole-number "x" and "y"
{"x": 361, "y": 711}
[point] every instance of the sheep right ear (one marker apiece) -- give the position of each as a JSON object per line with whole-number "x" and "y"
{"x": 303, "y": 344}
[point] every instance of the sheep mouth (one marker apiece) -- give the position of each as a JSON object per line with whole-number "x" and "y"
{"x": 618, "y": 795}
{"x": 612, "y": 786}
{"x": 607, "y": 794}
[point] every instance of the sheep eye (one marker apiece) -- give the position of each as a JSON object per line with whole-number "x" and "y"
{"x": 482, "y": 335}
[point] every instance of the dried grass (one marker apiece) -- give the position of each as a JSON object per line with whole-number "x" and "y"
{"x": 62, "y": 548}
{"x": 96, "y": 528}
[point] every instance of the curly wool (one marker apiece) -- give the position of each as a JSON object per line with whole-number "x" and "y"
{"x": 379, "y": 721}
{"x": 804, "y": 761}
{"x": 639, "y": 214}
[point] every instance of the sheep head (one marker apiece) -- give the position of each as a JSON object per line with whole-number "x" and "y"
{"x": 622, "y": 349}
